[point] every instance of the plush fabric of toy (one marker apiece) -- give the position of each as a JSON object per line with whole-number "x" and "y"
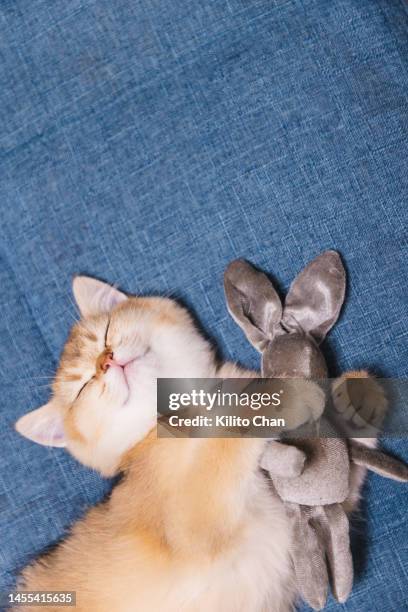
{"x": 313, "y": 477}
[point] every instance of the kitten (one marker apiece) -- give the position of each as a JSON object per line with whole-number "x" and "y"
{"x": 192, "y": 526}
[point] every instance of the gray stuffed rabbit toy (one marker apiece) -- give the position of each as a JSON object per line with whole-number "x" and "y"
{"x": 312, "y": 476}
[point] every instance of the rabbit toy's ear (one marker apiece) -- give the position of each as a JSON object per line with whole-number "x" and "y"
{"x": 252, "y": 302}
{"x": 316, "y": 296}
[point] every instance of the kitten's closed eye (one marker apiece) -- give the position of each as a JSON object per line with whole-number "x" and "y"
{"x": 83, "y": 387}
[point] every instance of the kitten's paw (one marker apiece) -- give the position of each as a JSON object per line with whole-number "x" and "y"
{"x": 303, "y": 402}
{"x": 283, "y": 460}
{"x": 360, "y": 402}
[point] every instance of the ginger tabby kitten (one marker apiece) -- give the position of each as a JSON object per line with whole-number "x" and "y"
{"x": 192, "y": 526}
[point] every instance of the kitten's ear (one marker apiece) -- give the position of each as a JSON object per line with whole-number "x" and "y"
{"x": 95, "y": 297}
{"x": 44, "y": 425}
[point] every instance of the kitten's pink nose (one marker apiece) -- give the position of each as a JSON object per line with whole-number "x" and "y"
{"x": 109, "y": 361}
{"x": 105, "y": 360}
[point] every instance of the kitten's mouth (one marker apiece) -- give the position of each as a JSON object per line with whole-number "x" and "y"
{"x": 127, "y": 375}
{"x": 123, "y": 364}
{"x": 127, "y": 369}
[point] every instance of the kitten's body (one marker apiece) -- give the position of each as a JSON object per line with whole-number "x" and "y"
{"x": 193, "y": 525}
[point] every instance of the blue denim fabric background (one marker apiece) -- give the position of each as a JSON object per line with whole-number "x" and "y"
{"x": 149, "y": 142}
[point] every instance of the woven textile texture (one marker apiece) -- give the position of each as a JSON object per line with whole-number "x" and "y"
{"x": 148, "y": 143}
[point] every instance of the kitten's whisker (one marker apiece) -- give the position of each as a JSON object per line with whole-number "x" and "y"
{"x": 40, "y": 377}
{"x": 71, "y": 315}
{"x": 50, "y": 379}
{"x": 76, "y": 309}
{"x": 38, "y": 387}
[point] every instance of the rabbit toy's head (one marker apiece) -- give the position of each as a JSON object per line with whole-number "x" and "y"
{"x": 289, "y": 335}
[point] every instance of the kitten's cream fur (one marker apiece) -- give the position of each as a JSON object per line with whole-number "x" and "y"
{"x": 192, "y": 526}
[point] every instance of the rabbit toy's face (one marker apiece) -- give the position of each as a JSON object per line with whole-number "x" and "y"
{"x": 293, "y": 356}
{"x": 288, "y": 336}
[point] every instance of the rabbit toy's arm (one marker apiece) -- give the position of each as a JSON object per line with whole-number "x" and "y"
{"x": 379, "y": 462}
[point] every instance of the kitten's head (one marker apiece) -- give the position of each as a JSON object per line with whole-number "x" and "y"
{"x": 104, "y": 392}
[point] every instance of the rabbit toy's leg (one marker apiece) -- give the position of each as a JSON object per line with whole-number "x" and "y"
{"x": 308, "y": 556}
{"x": 335, "y": 527}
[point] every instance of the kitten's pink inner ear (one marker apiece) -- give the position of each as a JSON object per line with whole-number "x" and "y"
{"x": 95, "y": 297}
{"x": 44, "y": 425}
